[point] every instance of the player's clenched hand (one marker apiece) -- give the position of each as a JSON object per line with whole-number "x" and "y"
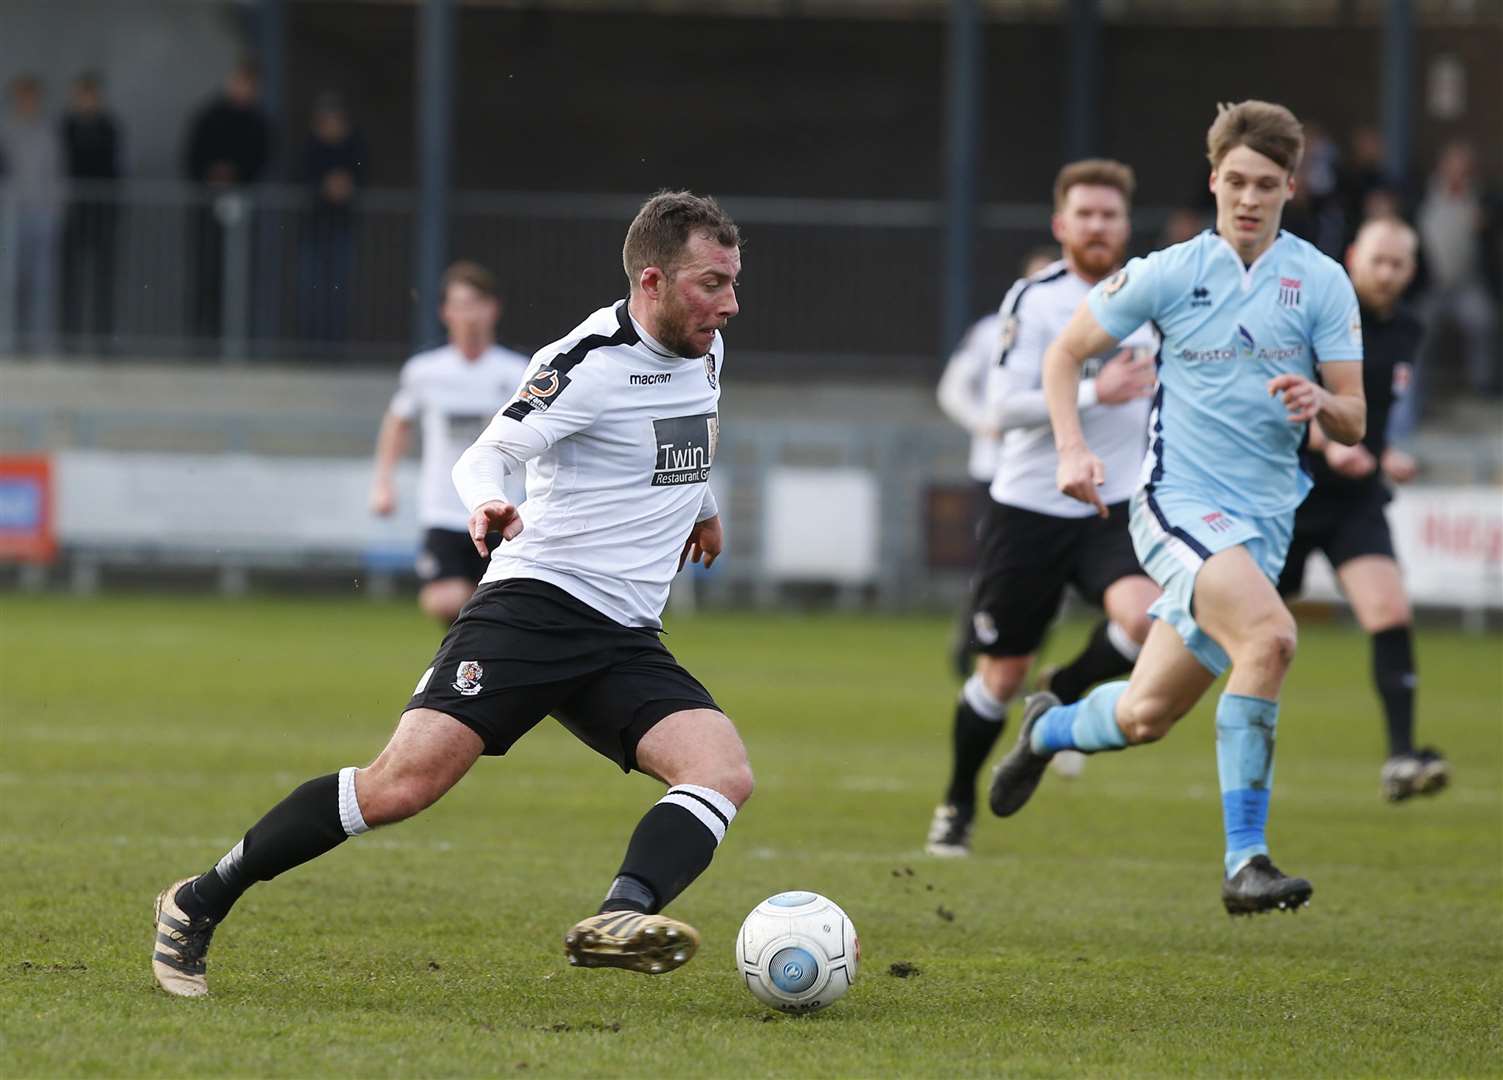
{"x": 1079, "y": 474}
{"x": 498, "y": 515}
{"x": 1125, "y": 377}
{"x": 383, "y": 500}
{"x": 1351, "y": 461}
{"x": 705, "y": 542}
{"x": 1302, "y": 397}
{"x": 1399, "y": 466}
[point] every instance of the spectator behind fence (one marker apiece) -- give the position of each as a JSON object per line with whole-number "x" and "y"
{"x": 31, "y": 201}
{"x": 228, "y": 147}
{"x": 91, "y": 144}
{"x": 1453, "y": 227}
{"x": 334, "y": 167}
{"x": 1366, "y": 188}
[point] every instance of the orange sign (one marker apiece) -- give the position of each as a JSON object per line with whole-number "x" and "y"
{"x": 26, "y": 508}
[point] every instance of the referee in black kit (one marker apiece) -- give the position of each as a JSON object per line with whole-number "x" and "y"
{"x": 616, "y": 424}
{"x": 1343, "y": 516}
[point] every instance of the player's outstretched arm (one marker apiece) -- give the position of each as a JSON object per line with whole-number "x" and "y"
{"x": 1080, "y": 472}
{"x": 391, "y": 444}
{"x": 504, "y": 447}
{"x": 1339, "y": 406}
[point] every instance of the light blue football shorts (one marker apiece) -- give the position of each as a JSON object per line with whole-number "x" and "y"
{"x": 1174, "y": 533}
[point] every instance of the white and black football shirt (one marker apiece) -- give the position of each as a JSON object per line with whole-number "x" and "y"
{"x": 618, "y": 435}
{"x": 453, "y": 399}
{"x": 1034, "y": 312}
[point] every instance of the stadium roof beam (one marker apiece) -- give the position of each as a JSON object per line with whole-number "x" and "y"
{"x": 1398, "y": 86}
{"x": 963, "y": 132}
{"x": 435, "y": 140}
{"x": 1083, "y": 91}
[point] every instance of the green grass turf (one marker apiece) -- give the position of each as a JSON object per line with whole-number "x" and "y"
{"x": 141, "y": 736}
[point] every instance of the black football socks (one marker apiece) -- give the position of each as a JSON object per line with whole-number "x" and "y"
{"x": 1393, "y": 675}
{"x": 317, "y": 817}
{"x": 672, "y": 845}
{"x": 1109, "y": 654}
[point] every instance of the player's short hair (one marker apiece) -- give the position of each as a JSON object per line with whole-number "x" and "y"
{"x": 1270, "y": 129}
{"x": 1103, "y": 172}
{"x": 661, "y": 229}
{"x": 466, "y": 272}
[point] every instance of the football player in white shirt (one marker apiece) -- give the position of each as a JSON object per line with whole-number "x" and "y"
{"x": 1035, "y": 541}
{"x": 962, "y": 397}
{"x": 617, "y": 424}
{"x": 453, "y": 391}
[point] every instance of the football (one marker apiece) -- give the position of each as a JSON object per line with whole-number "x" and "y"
{"x": 798, "y": 952}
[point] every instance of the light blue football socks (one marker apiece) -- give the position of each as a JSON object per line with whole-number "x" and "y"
{"x": 1244, "y": 755}
{"x": 1090, "y": 725}
{"x": 1244, "y": 761}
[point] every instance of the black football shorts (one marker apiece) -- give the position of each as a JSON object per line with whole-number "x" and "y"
{"x": 1028, "y": 558}
{"x": 523, "y": 649}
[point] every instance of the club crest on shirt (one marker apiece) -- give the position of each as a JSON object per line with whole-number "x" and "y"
{"x": 710, "y": 370}
{"x": 467, "y": 677}
{"x": 1289, "y": 291}
{"x": 1114, "y": 283}
{"x": 543, "y": 387}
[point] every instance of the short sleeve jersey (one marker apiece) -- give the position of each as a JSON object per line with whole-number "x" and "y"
{"x": 1227, "y": 330}
{"x": 632, "y": 431}
{"x": 1034, "y": 312}
{"x": 971, "y": 364}
{"x": 453, "y": 399}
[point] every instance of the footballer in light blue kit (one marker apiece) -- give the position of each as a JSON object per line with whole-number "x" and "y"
{"x": 1261, "y": 335}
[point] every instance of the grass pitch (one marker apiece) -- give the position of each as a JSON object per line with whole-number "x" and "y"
{"x": 140, "y": 737}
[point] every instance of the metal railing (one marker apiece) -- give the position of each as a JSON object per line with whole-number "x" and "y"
{"x": 169, "y": 270}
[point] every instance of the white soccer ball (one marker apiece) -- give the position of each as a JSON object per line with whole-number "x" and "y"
{"x": 798, "y": 952}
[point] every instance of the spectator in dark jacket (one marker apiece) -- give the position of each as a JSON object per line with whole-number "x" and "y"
{"x": 333, "y": 167}
{"x": 228, "y": 148}
{"x": 91, "y": 148}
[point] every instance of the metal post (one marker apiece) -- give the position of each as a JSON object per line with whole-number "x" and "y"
{"x": 271, "y": 38}
{"x": 435, "y": 73}
{"x": 9, "y": 272}
{"x": 1083, "y": 89}
{"x": 1398, "y": 89}
{"x": 963, "y": 128}
{"x": 233, "y": 213}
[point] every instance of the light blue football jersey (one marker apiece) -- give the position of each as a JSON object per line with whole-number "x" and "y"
{"x": 1227, "y": 329}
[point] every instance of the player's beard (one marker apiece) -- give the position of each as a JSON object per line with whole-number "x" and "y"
{"x": 1098, "y": 260}
{"x": 675, "y": 326}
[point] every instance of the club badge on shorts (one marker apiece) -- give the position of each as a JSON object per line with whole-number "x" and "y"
{"x": 467, "y": 677}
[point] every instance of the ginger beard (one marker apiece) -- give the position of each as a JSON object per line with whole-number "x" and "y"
{"x": 1092, "y": 228}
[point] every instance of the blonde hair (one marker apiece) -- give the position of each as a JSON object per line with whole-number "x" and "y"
{"x": 1270, "y": 129}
